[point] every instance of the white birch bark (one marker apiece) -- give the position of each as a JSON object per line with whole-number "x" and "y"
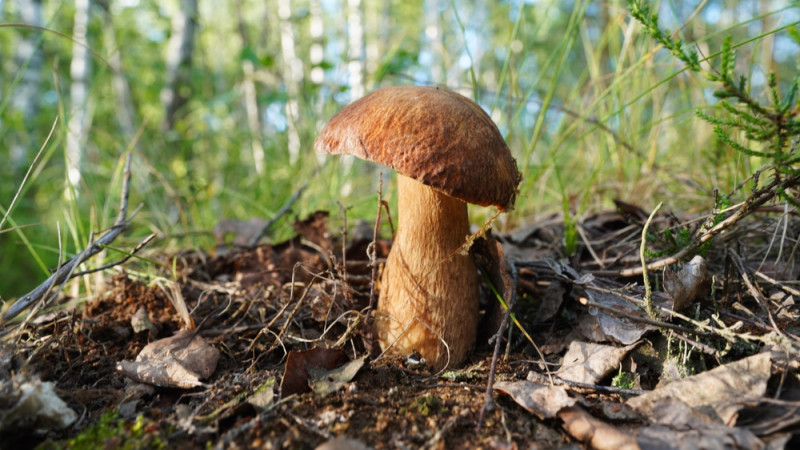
{"x": 28, "y": 58}
{"x": 250, "y": 98}
{"x": 316, "y": 53}
{"x": 355, "y": 49}
{"x": 178, "y": 59}
{"x": 80, "y": 107}
{"x": 292, "y": 76}
{"x": 126, "y": 116}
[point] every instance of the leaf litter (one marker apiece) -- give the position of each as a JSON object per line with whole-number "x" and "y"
{"x": 286, "y": 358}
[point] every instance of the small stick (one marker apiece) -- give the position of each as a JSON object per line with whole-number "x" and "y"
{"x": 278, "y": 214}
{"x": 67, "y": 270}
{"x": 488, "y": 404}
{"x": 750, "y": 205}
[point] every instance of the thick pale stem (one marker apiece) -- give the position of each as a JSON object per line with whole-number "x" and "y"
{"x": 429, "y": 290}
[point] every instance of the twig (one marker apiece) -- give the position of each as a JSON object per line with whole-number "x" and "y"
{"x": 278, "y": 214}
{"x": 759, "y": 298}
{"x": 488, "y": 404}
{"x": 645, "y": 320}
{"x": 539, "y": 378}
{"x": 67, "y": 270}
{"x": 755, "y": 200}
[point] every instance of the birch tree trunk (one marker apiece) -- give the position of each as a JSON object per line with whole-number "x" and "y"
{"x": 179, "y": 60}
{"x": 355, "y": 49}
{"x": 316, "y": 53}
{"x": 250, "y": 97}
{"x": 80, "y": 104}
{"x": 28, "y": 58}
{"x": 292, "y": 77}
{"x": 125, "y": 112}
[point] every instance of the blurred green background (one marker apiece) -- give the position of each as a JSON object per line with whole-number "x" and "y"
{"x": 220, "y": 103}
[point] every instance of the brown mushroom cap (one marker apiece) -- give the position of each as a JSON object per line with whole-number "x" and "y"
{"x": 433, "y": 135}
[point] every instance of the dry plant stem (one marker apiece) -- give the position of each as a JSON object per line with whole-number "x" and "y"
{"x": 428, "y": 287}
{"x": 66, "y": 271}
{"x": 778, "y": 284}
{"x": 341, "y": 269}
{"x": 488, "y": 404}
{"x": 372, "y": 251}
{"x": 762, "y": 302}
{"x": 648, "y": 293}
{"x": 539, "y": 378}
{"x": 133, "y": 252}
{"x": 644, "y": 320}
{"x": 755, "y": 200}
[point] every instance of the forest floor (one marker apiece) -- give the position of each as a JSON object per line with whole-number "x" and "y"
{"x": 285, "y": 358}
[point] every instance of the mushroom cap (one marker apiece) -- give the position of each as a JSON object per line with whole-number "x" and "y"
{"x": 433, "y": 135}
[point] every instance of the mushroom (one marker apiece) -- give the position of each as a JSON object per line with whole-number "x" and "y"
{"x": 447, "y": 151}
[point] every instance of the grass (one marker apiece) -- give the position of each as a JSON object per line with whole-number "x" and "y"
{"x": 590, "y": 107}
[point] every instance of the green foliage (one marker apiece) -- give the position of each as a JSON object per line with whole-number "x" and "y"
{"x": 576, "y": 94}
{"x": 111, "y": 431}
{"x": 776, "y": 125}
{"x": 640, "y": 10}
{"x": 427, "y": 405}
{"x": 624, "y": 380}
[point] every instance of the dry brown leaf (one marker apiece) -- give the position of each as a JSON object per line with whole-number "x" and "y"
{"x": 615, "y": 327}
{"x": 681, "y": 427}
{"x": 181, "y": 361}
{"x": 692, "y": 282}
{"x": 324, "y": 382}
{"x": 542, "y": 400}
{"x": 588, "y": 363}
{"x": 296, "y": 375}
{"x": 551, "y": 301}
{"x": 719, "y": 392}
{"x": 141, "y": 321}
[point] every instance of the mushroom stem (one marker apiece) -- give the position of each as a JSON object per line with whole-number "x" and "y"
{"x": 429, "y": 290}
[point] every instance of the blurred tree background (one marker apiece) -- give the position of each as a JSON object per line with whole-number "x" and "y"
{"x": 220, "y": 103}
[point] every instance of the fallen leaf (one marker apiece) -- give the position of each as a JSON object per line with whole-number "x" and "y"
{"x": 324, "y": 382}
{"x": 616, "y": 327}
{"x": 690, "y": 283}
{"x": 181, "y": 361}
{"x": 141, "y": 322}
{"x": 678, "y": 426}
{"x": 551, "y": 300}
{"x": 296, "y": 373}
{"x": 588, "y": 363}
{"x": 542, "y": 400}
{"x": 263, "y": 397}
{"x": 719, "y": 392}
